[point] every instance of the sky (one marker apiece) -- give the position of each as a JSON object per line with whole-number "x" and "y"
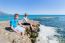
{"x": 33, "y": 6}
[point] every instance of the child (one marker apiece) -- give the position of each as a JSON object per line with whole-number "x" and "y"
{"x": 14, "y": 25}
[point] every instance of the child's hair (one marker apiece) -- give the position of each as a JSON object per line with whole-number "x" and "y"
{"x": 16, "y": 15}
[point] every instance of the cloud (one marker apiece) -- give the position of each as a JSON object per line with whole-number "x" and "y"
{"x": 48, "y": 12}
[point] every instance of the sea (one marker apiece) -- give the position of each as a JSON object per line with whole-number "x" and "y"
{"x": 49, "y": 24}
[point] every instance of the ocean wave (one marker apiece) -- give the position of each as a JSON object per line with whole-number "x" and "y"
{"x": 47, "y": 17}
{"x": 47, "y": 35}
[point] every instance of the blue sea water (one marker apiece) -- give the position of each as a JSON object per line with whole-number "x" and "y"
{"x": 48, "y": 20}
{"x": 57, "y": 21}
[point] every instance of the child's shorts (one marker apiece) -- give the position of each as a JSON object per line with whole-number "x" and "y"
{"x": 19, "y": 28}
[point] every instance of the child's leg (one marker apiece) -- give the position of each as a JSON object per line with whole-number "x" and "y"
{"x": 22, "y": 33}
{"x": 18, "y": 33}
{"x": 21, "y": 30}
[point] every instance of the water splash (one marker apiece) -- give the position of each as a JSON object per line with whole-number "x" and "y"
{"x": 46, "y": 35}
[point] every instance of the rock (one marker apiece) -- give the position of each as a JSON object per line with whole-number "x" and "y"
{"x": 32, "y": 32}
{"x": 12, "y": 37}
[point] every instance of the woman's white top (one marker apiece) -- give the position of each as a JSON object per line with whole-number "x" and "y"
{"x": 25, "y": 19}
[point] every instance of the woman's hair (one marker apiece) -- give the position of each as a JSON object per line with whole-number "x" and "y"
{"x": 25, "y": 14}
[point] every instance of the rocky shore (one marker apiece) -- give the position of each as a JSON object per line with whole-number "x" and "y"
{"x": 12, "y": 37}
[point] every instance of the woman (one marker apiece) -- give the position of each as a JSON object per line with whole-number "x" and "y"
{"x": 25, "y": 20}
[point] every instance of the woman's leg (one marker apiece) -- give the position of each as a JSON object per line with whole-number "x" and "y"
{"x": 26, "y": 24}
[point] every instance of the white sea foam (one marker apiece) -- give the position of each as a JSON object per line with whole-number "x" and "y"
{"x": 46, "y": 35}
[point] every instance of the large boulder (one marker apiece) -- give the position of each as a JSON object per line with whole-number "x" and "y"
{"x": 12, "y": 37}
